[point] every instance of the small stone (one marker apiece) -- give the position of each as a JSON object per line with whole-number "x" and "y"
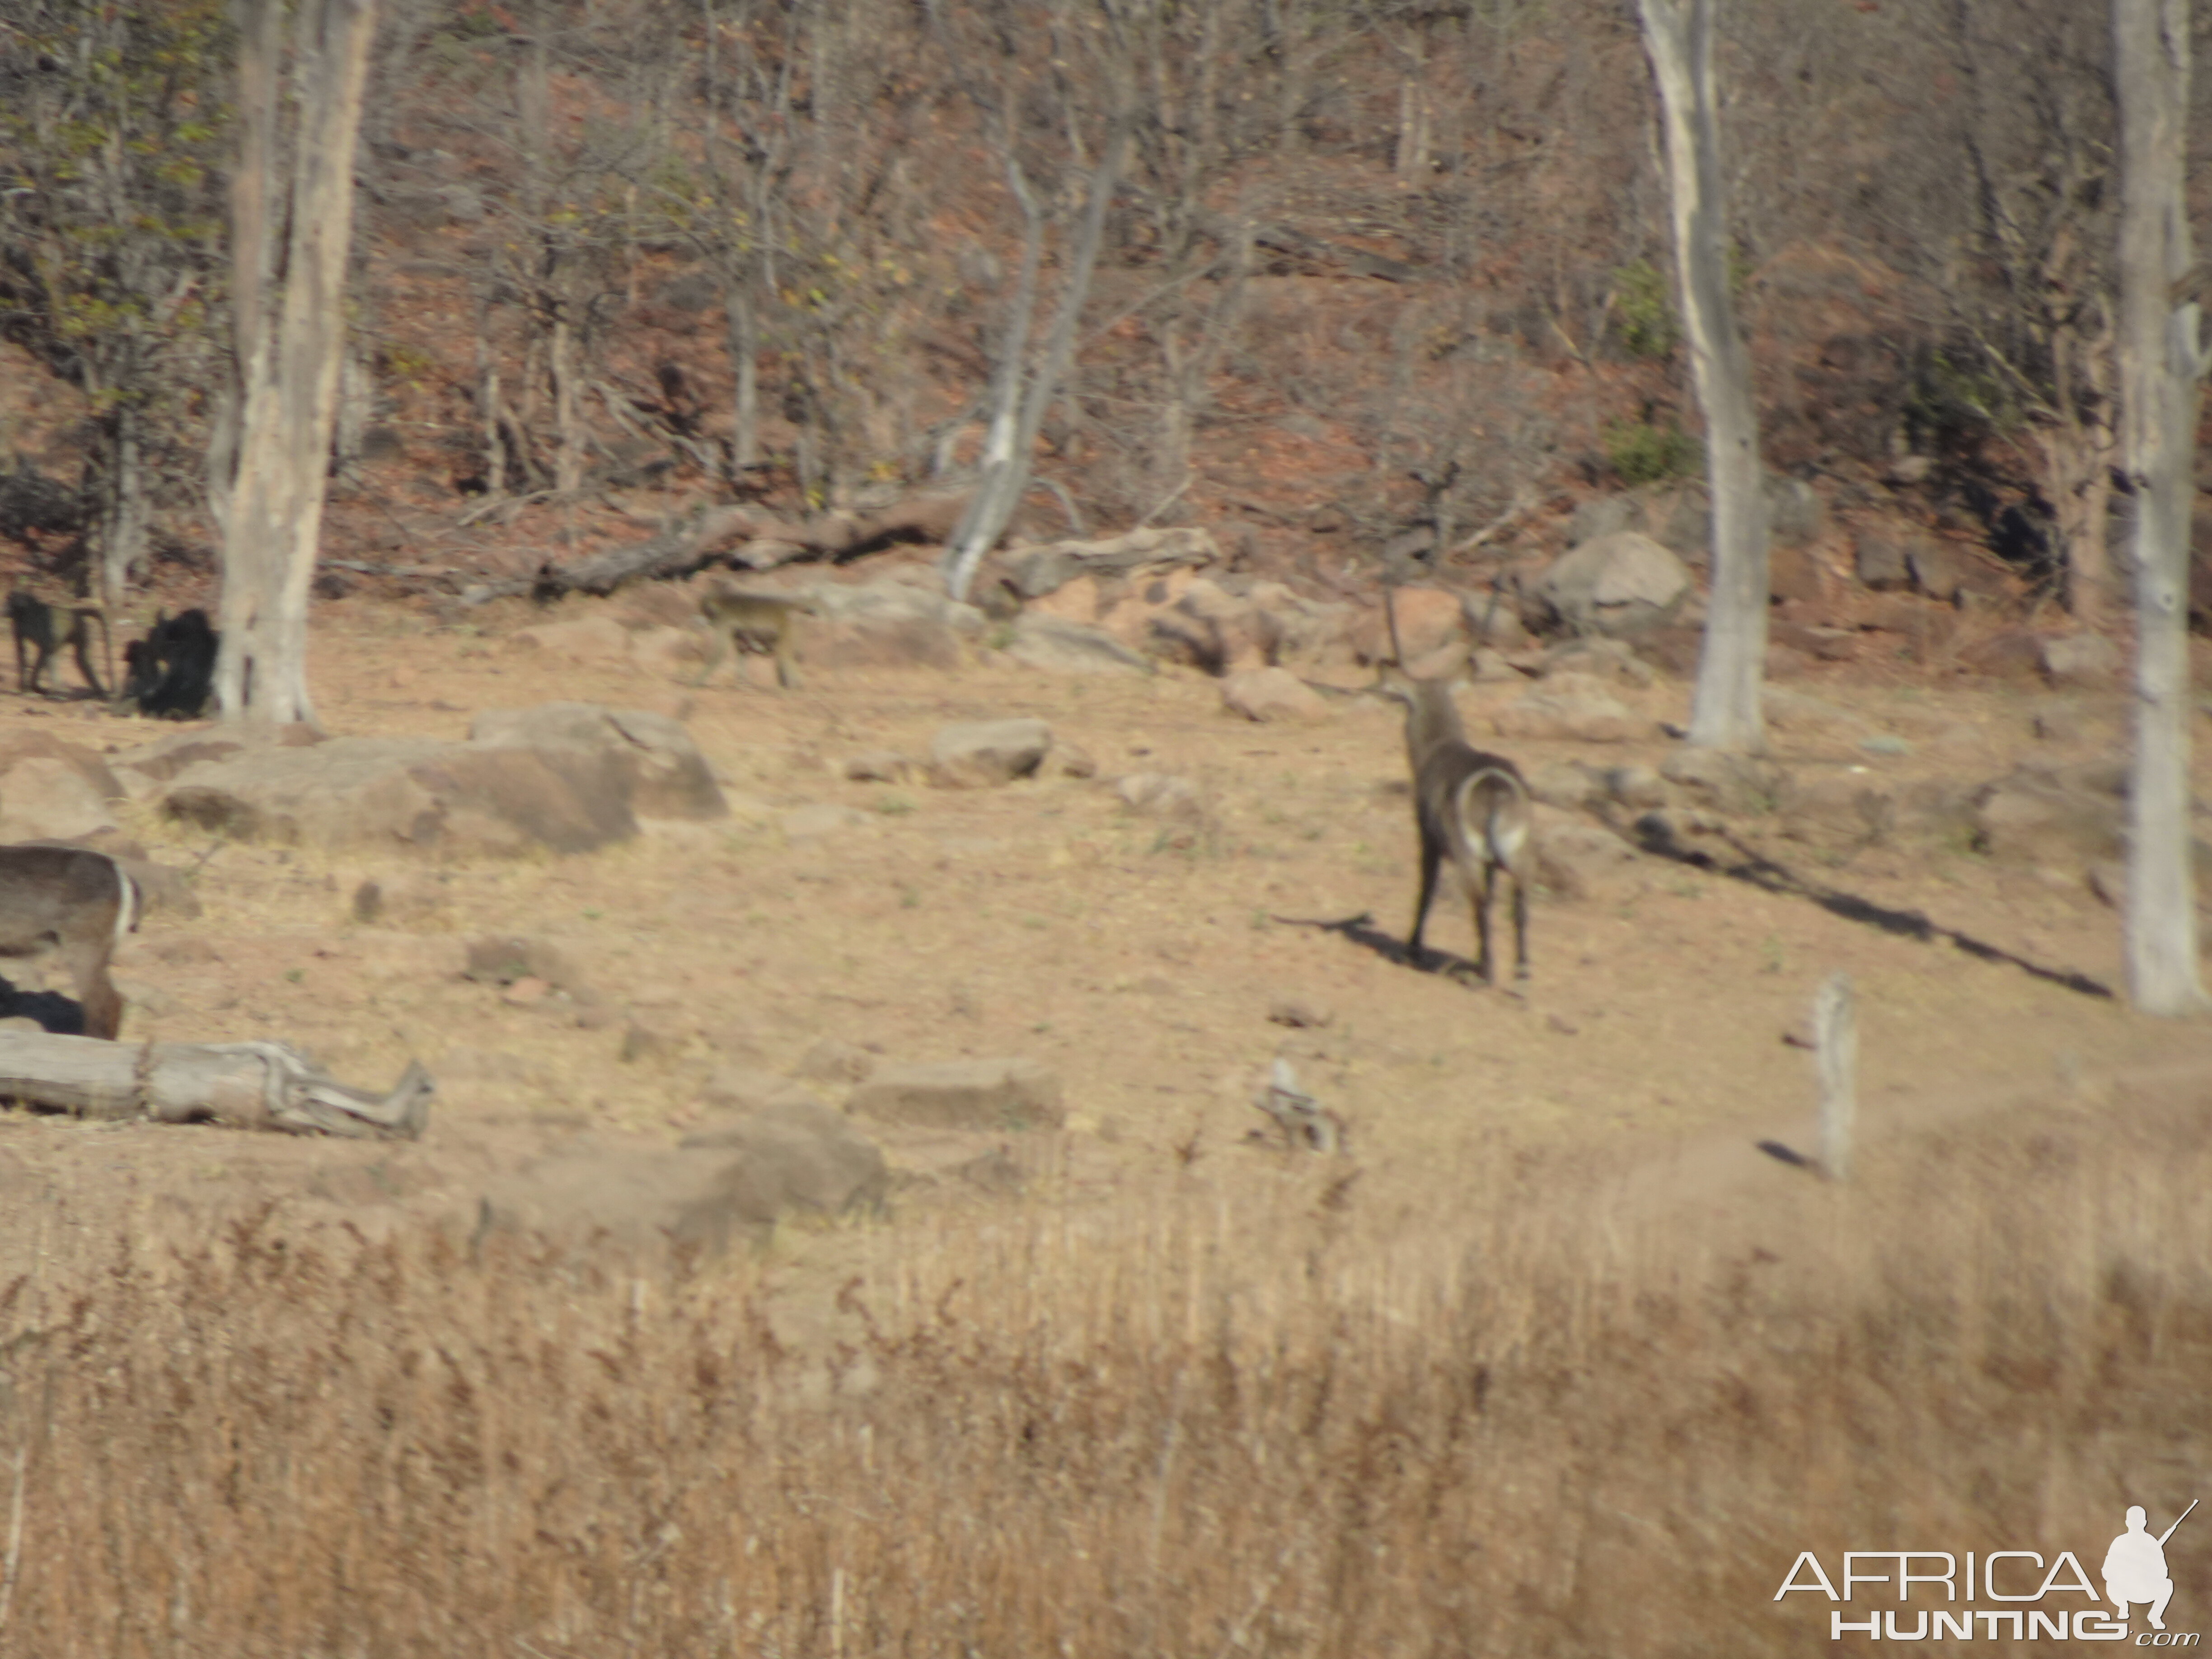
{"x": 978, "y": 754}
{"x": 1565, "y": 784}
{"x": 832, "y": 1061}
{"x": 747, "y": 1088}
{"x": 1270, "y": 695}
{"x": 526, "y": 992}
{"x": 2083, "y": 659}
{"x": 812, "y": 822}
{"x": 501, "y": 959}
{"x": 1741, "y": 785}
{"x": 879, "y": 766}
{"x": 2057, "y": 726}
{"x": 1065, "y": 760}
{"x": 988, "y": 1094}
{"x": 1637, "y": 786}
{"x": 367, "y": 903}
{"x": 1300, "y": 1013}
{"x": 1159, "y": 795}
{"x": 1882, "y": 743}
{"x": 642, "y": 1042}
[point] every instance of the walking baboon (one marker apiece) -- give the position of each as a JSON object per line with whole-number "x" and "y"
{"x": 1470, "y": 805}
{"x": 31, "y": 620}
{"x": 750, "y": 622}
{"x": 76, "y": 902}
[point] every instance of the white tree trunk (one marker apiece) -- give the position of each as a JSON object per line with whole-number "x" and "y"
{"x": 2162, "y": 364}
{"x": 1007, "y": 451}
{"x": 1726, "y": 714}
{"x": 290, "y": 369}
{"x": 128, "y": 513}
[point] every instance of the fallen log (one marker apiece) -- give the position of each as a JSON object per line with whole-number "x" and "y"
{"x": 746, "y": 536}
{"x": 1038, "y": 571}
{"x": 242, "y": 1085}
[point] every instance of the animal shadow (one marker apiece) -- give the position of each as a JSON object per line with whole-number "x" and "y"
{"x": 55, "y": 1014}
{"x": 1362, "y": 931}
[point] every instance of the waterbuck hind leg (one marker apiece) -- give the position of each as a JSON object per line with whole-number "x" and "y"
{"x": 1480, "y": 903}
{"x": 86, "y": 962}
{"x": 1520, "y": 926}
{"x": 1431, "y": 856}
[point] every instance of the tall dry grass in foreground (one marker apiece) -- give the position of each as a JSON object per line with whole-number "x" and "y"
{"x": 1258, "y": 1412}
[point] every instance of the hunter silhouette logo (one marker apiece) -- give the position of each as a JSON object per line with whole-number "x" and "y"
{"x": 2135, "y": 1566}
{"x": 2032, "y": 1597}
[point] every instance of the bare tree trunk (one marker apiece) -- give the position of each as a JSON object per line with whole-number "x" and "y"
{"x": 290, "y": 404}
{"x": 1012, "y": 438}
{"x": 487, "y": 406}
{"x": 260, "y": 42}
{"x": 2078, "y": 460}
{"x": 1726, "y": 714}
{"x": 739, "y": 309}
{"x": 2162, "y": 364}
{"x": 126, "y": 513}
{"x": 567, "y": 420}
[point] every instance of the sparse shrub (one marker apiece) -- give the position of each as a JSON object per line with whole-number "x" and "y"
{"x": 1643, "y": 314}
{"x": 1644, "y": 452}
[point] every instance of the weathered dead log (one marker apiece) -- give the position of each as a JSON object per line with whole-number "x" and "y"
{"x": 1038, "y": 571}
{"x": 243, "y": 1086}
{"x": 742, "y": 535}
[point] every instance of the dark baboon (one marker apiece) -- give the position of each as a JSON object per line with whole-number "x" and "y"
{"x": 170, "y": 674}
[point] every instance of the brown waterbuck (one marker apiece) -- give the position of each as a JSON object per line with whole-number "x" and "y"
{"x": 1468, "y": 805}
{"x": 77, "y": 904}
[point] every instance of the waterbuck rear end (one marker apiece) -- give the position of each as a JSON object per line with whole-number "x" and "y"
{"x": 1470, "y": 806}
{"x": 75, "y": 903}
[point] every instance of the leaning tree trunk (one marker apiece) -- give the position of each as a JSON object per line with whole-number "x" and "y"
{"x": 1018, "y": 413}
{"x": 1726, "y": 714}
{"x": 2162, "y": 364}
{"x": 289, "y": 364}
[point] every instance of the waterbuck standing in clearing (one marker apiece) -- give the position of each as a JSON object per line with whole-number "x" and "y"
{"x": 1468, "y": 805}
{"x": 75, "y": 903}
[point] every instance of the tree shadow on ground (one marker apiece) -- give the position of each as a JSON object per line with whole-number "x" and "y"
{"x": 1756, "y": 869}
{"x": 1653, "y": 836}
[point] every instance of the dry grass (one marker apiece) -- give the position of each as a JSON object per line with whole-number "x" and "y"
{"x": 1249, "y": 1409}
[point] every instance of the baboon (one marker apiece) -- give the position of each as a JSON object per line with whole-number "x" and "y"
{"x": 752, "y": 622}
{"x": 1468, "y": 805}
{"x": 170, "y": 674}
{"x": 32, "y": 620}
{"x": 76, "y": 902}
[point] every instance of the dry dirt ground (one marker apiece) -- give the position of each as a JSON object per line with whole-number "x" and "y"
{"x": 1046, "y": 920}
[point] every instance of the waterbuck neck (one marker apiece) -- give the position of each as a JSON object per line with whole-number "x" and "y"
{"x": 1432, "y": 718}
